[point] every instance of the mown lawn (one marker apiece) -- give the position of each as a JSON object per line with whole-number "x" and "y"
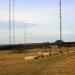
{"x": 14, "y": 64}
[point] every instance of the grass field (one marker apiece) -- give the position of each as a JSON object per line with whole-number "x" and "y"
{"x": 14, "y": 64}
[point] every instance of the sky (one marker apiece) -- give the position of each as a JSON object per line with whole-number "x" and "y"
{"x": 41, "y": 19}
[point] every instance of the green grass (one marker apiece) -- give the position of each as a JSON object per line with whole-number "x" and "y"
{"x": 14, "y": 64}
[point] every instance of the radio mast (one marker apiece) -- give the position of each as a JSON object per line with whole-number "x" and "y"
{"x": 13, "y": 22}
{"x": 9, "y": 23}
{"x": 60, "y": 20}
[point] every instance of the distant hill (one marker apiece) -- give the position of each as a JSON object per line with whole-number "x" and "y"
{"x": 33, "y": 45}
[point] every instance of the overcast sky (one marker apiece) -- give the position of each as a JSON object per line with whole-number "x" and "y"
{"x": 41, "y": 18}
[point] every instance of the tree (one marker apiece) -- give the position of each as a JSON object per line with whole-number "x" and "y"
{"x": 60, "y": 44}
{"x": 19, "y": 49}
{"x": 47, "y": 45}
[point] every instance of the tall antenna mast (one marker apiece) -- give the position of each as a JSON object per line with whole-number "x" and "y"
{"x": 13, "y": 22}
{"x": 60, "y": 21}
{"x": 9, "y": 23}
{"x": 60, "y": 28}
{"x": 25, "y": 37}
